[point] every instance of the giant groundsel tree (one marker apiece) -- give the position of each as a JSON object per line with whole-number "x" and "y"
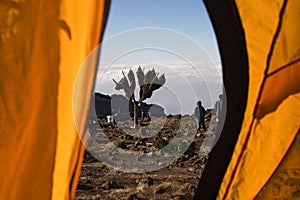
{"x": 148, "y": 83}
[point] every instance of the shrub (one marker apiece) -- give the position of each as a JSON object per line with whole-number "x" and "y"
{"x": 160, "y": 143}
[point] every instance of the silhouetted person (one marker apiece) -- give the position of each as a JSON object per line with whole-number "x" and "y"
{"x": 218, "y": 107}
{"x": 200, "y": 114}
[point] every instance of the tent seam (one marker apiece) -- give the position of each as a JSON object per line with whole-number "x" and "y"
{"x": 283, "y": 67}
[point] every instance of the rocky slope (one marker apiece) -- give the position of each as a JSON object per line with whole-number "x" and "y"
{"x": 178, "y": 180}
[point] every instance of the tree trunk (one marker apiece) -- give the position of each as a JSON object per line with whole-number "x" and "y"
{"x": 135, "y": 113}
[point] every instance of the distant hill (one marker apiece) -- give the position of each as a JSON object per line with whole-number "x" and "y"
{"x": 120, "y": 105}
{"x": 102, "y": 105}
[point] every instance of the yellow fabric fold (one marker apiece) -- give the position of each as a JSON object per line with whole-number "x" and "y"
{"x": 266, "y": 135}
{"x": 284, "y": 183}
{"x": 85, "y": 20}
{"x": 269, "y": 141}
{"x": 287, "y": 45}
{"x": 277, "y": 87}
{"x": 28, "y": 124}
{"x": 42, "y": 46}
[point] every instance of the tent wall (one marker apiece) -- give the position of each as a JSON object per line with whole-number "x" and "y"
{"x": 42, "y": 46}
{"x": 272, "y": 115}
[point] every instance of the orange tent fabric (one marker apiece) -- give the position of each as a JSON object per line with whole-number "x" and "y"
{"x": 42, "y": 46}
{"x": 256, "y": 155}
{"x": 272, "y": 116}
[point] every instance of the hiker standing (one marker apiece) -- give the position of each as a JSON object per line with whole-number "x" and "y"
{"x": 200, "y": 114}
{"x": 218, "y": 107}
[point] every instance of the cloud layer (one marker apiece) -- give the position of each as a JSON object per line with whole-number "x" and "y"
{"x": 186, "y": 84}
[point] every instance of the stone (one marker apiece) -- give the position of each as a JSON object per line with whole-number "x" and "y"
{"x": 108, "y": 185}
{"x": 192, "y": 169}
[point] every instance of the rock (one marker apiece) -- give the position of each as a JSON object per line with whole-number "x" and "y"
{"x": 146, "y": 181}
{"x": 199, "y": 167}
{"x": 139, "y": 142}
{"x": 185, "y": 157}
{"x": 162, "y": 188}
{"x": 89, "y": 174}
{"x": 192, "y": 169}
{"x": 108, "y": 185}
{"x": 149, "y": 144}
{"x": 203, "y": 160}
{"x": 196, "y": 162}
{"x": 189, "y": 187}
{"x": 129, "y": 137}
{"x": 141, "y": 188}
{"x": 105, "y": 185}
{"x": 179, "y": 164}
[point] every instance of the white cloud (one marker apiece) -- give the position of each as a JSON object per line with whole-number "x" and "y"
{"x": 204, "y": 71}
{"x": 185, "y": 84}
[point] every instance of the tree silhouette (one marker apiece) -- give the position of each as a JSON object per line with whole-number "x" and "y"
{"x": 148, "y": 83}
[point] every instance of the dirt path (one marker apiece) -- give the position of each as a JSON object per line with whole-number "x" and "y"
{"x": 176, "y": 181}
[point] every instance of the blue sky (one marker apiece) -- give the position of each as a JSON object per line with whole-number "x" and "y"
{"x": 173, "y": 36}
{"x": 186, "y": 16}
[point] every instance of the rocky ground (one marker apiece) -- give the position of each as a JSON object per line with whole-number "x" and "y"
{"x": 178, "y": 180}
